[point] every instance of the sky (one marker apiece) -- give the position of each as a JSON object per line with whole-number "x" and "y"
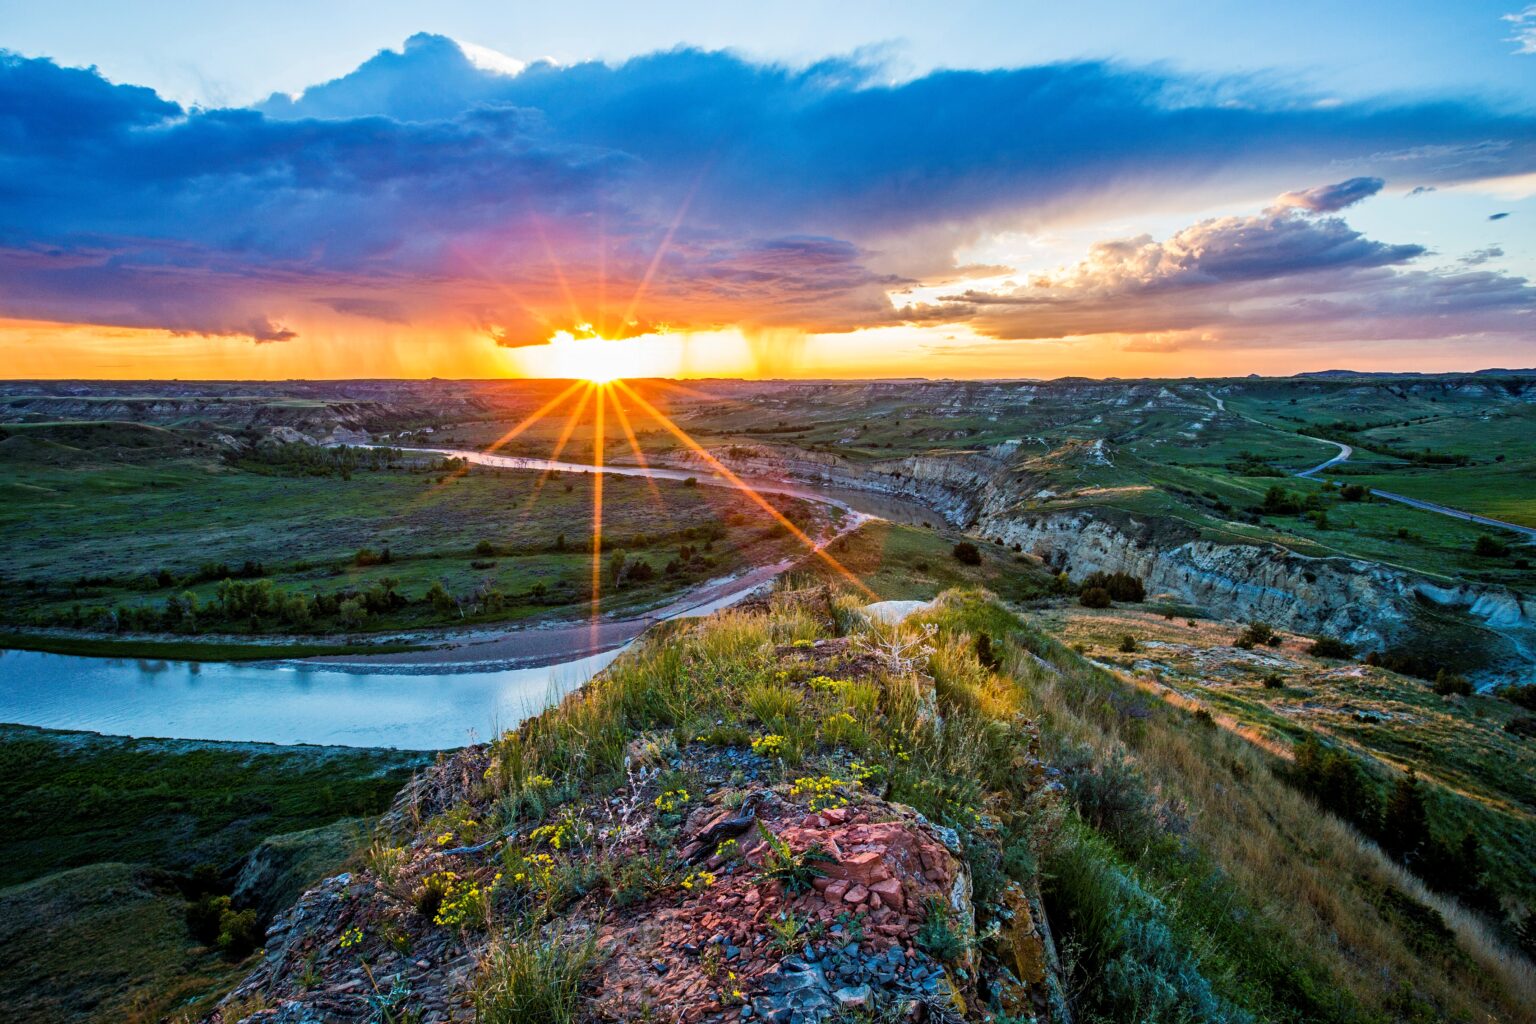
{"x": 790, "y": 190}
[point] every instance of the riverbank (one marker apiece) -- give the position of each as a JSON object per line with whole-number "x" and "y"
{"x": 103, "y": 840}
{"x": 97, "y": 645}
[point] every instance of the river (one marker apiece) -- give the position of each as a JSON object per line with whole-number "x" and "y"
{"x": 430, "y": 700}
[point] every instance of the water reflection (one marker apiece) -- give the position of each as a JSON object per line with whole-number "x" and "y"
{"x": 277, "y": 703}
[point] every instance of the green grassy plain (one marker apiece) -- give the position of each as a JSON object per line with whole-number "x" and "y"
{"x": 72, "y": 799}
{"x": 100, "y": 516}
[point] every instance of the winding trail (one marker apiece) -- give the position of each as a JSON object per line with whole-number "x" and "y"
{"x": 1345, "y": 451}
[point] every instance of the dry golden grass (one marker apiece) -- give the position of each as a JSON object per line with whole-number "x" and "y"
{"x": 1312, "y": 875}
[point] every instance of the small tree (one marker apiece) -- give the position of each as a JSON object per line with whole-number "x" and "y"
{"x": 1258, "y": 633}
{"x": 1448, "y": 684}
{"x": 1095, "y": 597}
{"x": 1405, "y": 821}
{"x": 1331, "y": 647}
{"x": 441, "y": 600}
{"x": 1488, "y": 547}
{"x": 967, "y": 553}
{"x": 352, "y": 613}
{"x": 618, "y": 567}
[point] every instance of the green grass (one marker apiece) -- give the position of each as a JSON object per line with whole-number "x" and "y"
{"x": 906, "y": 563}
{"x": 106, "y": 943}
{"x": 1504, "y": 490}
{"x": 1280, "y": 905}
{"x": 1190, "y": 883}
{"x": 72, "y": 799}
{"x": 93, "y": 517}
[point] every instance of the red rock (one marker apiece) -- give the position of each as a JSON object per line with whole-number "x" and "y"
{"x": 810, "y": 821}
{"x": 858, "y": 867}
{"x": 857, "y": 894}
{"x": 835, "y": 815}
{"x": 890, "y": 892}
{"x": 835, "y": 888}
{"x": 875, "y": 901}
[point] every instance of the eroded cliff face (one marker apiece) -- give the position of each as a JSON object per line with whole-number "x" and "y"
{"x": 1357, "y": 601}
{"x": 1365, "y": 603}
{"x": 952, "y": 484}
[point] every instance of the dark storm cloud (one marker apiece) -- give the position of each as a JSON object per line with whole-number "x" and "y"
{"x": 459, "y": 191}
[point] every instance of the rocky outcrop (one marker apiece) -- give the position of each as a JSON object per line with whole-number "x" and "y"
{"x": 760, "y": 892}
{"x": 1365, "y": 603}
{"x": 721, "y": 941}
{"x": 281, "y": 867}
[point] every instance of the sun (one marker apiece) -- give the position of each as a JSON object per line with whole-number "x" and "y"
{"x": 594, "y": 359}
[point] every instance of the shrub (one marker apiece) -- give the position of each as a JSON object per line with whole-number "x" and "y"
{"x": 1489, "y": 547}
{"x": 1274, "y": 681}
{"x": 1449, "y": 684}
{"x": 213, "y": 922}
{"x": 1521, "y": 696}
{"x": 966, "y": 553}
{"x": 1121, "y": 586}
{"x": 238, "y": 933}
{"x": 202, "y": 916}
{"x": 1133, "y": 967}
{"x": 1278, "y": 502}
{"x": 1331, "y": 647}
{"x": 1404, "y": 818}
{"x": 1095, "y": 597}
{"x": 441, "y": 600}
{"x": 1338, "y": 782}
{"x": 1257, "y": 633}
{"x": 367, "y": 556}
{"x": 1128, "y": 644}
{"x": 485, "y": 547}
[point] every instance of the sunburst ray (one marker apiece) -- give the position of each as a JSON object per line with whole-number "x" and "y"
{"x": 723, "y": 470}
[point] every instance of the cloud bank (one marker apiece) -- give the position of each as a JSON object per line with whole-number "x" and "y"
{"x": 692, "y": 189}
{"x": 1278, "y": 278}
